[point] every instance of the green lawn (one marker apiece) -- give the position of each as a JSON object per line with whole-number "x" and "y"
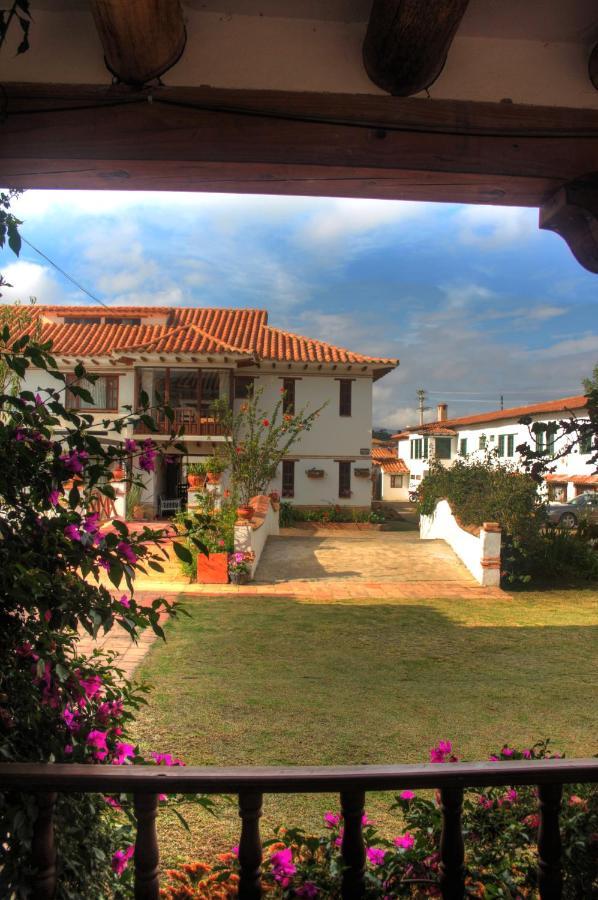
{"x": 277, "y": 681}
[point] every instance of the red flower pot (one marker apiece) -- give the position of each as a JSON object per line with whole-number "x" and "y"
{"x": 245, "y": 512}
{"x": 195, "y": 482}
{"x": 214, "y": 477}
{"x": 212, "y": 569}
{"x": 118, "y": 474}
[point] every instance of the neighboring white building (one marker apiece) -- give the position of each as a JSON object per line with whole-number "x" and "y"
{"x": 192, "y": 356}
{"x": 470, "y": 436}
{"x": 390, "y": 473}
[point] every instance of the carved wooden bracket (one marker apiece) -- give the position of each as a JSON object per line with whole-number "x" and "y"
{"x": 573, "y": 213}
{"x": 407, "y": 42}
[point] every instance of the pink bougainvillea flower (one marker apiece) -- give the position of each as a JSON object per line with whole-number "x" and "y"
{"x": 113, "y": 802}
{"x": 120, "y": 859}
{"x": 339, "y": 840}
{"x": 53, "y": 498}
{"x": 131, "y": 446}
{"x": 74, "y": 461}
{"x": 493, "y": 758}
{"x": 148, "y": 456}
{"x": 48, "y": 615}
{"x": 92, "y": 523}
{"x": 510, "y": 797}
{"x": 404, "y": 841}
{"x": 283, "y": 866}
{"x": 125, "y": 600}
{"x": 38, "y": 400}
{"x": 122, "y": 753}
{"x": 532, "y": 821}
{"x": 235, "y": 850}
{"x": 104, "y": 564}
{"x": 574, "y": 800}
{"x": 365, "y": 821}
{"x": 527, "y": 754}
{"x": 507, "y": 751}
{"x": 70, "y": 718}
{"x": 68, "y": 749}
{"x": 331, "y": 819}
{"x": 20, "y": 434}
{"x": 166, "y": 759}
{"x": 376, "y": 855}
{"x": 485, "y": 802}
{"x": 24, "y": 649}
{"x": 309, "y": 889}
{"x": 92, "y": 686}
{"x": 407, "y": 795}
{"x": 127, "y": 551}
{"x": 163, "y": 798}
{"x": 72, "y": 533}
{"x": 97, "y": 741}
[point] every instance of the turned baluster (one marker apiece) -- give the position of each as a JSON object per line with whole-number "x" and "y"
{"x": 452, "y": 871}
{"x": 352, "y": 847}
{"x": 250, "y": 846}
{"x": 147, "y": 856}
{"x": 550, "y": 876}
{"x": 43, "y": 849}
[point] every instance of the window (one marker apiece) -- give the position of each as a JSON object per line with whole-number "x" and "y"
{"x": 585, "y": 441}
{"x": 419, "y": 448}
{"x": 501, "y": 444}
{"x": 344, "y": 478}
{"x": 124, "y": 320}
{"x": 288, "y": 401}
{"x": 82, "y": 320}
{"x": 243, "y": 386}
{"x": 288, "y": 478}
{"x": 443, "y": 448}
{"x": 104, "y": 391}
{"x": 545, "y": 435}
{"x": 482, "y": 442}
{"x": 463, "y": 447}
{"x": 510, "y": 445}
{"x": 344, "y": 404}
{"x": 396, "y": 481}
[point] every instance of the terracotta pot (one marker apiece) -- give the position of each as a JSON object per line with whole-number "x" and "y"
{"x": 138, "y": 513}
{"x": 245, "y": 512}
{"x": 274, "y": 496}
{"x": 214, "y": 477}
{"x": 195, "y": 482}
{"x": 212, "y": 569}
{"x": 118, "y": 474}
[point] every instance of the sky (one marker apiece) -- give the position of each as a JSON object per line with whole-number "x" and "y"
{"x": 475, "y": 301}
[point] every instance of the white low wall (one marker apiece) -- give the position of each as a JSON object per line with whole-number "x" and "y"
{"x": 251, "y": 537}
{"x": 479, "y": 552}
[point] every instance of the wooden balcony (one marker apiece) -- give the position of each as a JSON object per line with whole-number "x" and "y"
{"x": 251, "y": 783}
{"x": 194, "y": 423}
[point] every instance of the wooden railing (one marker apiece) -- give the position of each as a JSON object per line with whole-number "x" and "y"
{"x": 250, "y": 784}
{"x": 184, "y": 417}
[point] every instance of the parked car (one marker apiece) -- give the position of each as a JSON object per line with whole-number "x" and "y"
{"x": 568, "y": 515}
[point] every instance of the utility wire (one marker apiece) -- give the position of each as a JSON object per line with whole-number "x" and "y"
{"x": 66, "y": 274}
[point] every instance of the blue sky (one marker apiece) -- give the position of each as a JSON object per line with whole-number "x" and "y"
{"x": 475, "y": 301}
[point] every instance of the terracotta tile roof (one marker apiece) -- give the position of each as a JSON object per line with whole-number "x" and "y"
{"x": 395, "y": 467}
{"x": 383, "y": 453}
{"x": 438, "y": 430}
{"x": 563, "y": 405}
{"x": 574, "y": 479}
{"x": 201, "y": 330}
{"x": 400, "y": 436}
{"x": 392, "y": 465}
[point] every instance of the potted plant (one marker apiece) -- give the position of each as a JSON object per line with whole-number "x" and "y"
{"x": 314, "y": 473}
{"x": 118, "y": 473}
{"x": 238, "y": 568}
{"x": 213, "y": 568}
{"x": 133, "y": 507}
{"x": 214, "y": 467}
{"x": 196, "y": 475}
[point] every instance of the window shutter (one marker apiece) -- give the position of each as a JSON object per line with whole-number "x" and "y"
{"x": 425, "y": 453}
{"x": 344, "y": 479}
{"x": 344, "y": 406}
{"x": 288, "y": 478}
{"x": 72, "y": 402}
{"x": 111, "y": 391}
{"x": 288, "y": 403}
{"x": 501, "y": 445}
{"x": 510, "y": 445}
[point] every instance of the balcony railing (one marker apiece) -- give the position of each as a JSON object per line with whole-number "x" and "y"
{"x": 250, "y": 784}
{"x": 190, "y": 419}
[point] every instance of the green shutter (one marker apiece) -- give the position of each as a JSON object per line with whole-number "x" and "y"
{"x": 510, "y": 445}
{"x": 425, "y": 453}
{"x": 501, "y": 445}
{"x": 482, "y": 442}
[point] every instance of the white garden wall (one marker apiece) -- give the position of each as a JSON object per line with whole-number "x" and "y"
{"x": 251, "y": 537}
{"x": 480, "y": 552}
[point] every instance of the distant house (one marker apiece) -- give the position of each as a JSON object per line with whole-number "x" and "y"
{"x": 192, "y": 356}
{"x": 390, "y": 472}
{"x": 448, "y": 439}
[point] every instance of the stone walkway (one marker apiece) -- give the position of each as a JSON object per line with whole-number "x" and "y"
{"x": 322, "y": 567}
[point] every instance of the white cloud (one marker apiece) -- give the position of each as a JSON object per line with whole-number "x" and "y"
{"x": 344, "y": 219}
{"x": 32, "y": 280}
{"x": 491, "y": 227}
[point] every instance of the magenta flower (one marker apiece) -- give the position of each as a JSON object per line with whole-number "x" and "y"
{"x": 127, "y": 551}
{"x": 331, "y": 819}
{"x": 70, "y": 718}
{"x": 91, "y": 686}
{"x": 527, "y": 754}
{"x": 125, "y": 600}
{"x": 440, "y": 753}
{"x": 104, "y": 564}
{"x": 68, "y": 749}
{"x": 120, "y": 859}
{"x": 283, "y": 866}
{"x": 131, "y": 446}
{"x": 48, "y": 616}
{"x": 72, "y": 533}
{"x": 38, "y": 400}
{"x": 407, "y": 795}
{"x": 74, "y": 461}
{"x": 97, "y": 741}
{"x": 53, "y": 498}
{"x": 122, "y": 753}
{"x": 92, "y": 523}
{"x": 113, "y": 802}
{"x": 309, "y": 889}
{"x": 166, "y": 759}
{"x": 510, "y": 797}
{"x": 365, "y": 821}
{"x": 404, "y": 841}
{"x": 376, "y": 855}
{"x": 485, "y": 802}
{"x": 20, "y": 434}
{"x": 507, "y": 751}
{"x": 148, "y": 456}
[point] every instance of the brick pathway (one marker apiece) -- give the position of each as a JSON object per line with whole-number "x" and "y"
{"x": 321, "y": 567}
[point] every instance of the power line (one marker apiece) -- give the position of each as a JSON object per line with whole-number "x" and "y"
{"x": 66, "y": 274}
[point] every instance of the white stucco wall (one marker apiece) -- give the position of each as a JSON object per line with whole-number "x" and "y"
{"x": 247, "y": 538}
{"x": 225, "y": 49}
{"x": 473, "y": 550}
{"x": 398, "y": 494}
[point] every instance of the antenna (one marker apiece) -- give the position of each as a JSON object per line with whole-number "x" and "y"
{"x": 502, "y": 401}
{"x": 421, "y": 400}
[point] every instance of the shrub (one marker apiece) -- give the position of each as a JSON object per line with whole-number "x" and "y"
{"x": 501, "y": 829}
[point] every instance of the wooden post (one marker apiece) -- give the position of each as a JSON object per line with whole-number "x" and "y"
{"x": 550, "y": 876}
{"x": 147, "y": 857}
{"x": 141, "y": 38}
{"x": 250, "y": 846}
{"x": 43, "y": 849}
{"x": 452, "y": 872}
{"x": 353, "y": 848}
{"x": 407, "y": 42}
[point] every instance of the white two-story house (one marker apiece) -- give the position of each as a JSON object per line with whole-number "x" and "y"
{"x": 448, "y": 439}
{"x": 190, "y": 356}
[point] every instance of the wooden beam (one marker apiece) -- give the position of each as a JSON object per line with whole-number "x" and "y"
{"x": 572, "y": 212}
{"x": 142, "y": 39}
{"x": 278, "y": 142}
{"x": 593, "y": 67}
{"x": 407, "y": 42}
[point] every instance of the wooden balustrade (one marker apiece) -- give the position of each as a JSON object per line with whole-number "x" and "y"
{"x": 187, "y": 418}
{"x": 350, "y": 782}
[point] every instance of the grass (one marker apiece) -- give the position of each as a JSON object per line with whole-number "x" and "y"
{"x": 266, "y": 680}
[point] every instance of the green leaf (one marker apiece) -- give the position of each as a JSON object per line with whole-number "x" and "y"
{"x": 183, "y": 553}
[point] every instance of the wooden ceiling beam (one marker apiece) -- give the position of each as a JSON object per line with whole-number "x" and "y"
{"x": 572, "y": 212}
{"x": 142, "y": 39}
{"x": 593, "y": 67}
{"x": 407, "y": 42}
